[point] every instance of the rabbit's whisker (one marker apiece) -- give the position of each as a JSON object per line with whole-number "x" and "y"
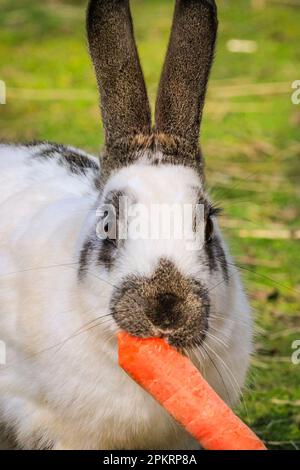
{"x": 230, "y": 374}
{"x": 37, "y": 268}
{"x": 263, "y": 276}
{"x": 63, "y": 342}
{"x": 217, "y": 370}
{"x": 215, "y": 338}
{"x": 215, "y": 316}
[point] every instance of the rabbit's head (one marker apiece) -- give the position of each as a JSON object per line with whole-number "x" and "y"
{"x": 160, "y": 285}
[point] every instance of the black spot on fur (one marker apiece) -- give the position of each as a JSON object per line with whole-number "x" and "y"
{"x": 107, "y": 251}
{"x": 78, "y": 163}
{"x": 106, "y": 254}
{"x": 216, "y": 257}
{"x": 85, "y": 255}
{"x": 35, "y": 143}
{"x": 75, "y": 161}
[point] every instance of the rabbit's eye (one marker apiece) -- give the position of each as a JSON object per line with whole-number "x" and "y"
{"x": 209, "y": 230}
{"x": 110, "y": 238}
{"x": 109, "y": 230}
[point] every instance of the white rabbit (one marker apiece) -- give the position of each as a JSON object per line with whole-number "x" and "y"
{"x": 65, "y": 291}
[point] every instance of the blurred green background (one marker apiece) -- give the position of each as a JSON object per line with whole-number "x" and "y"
{"x": 250, "y": 138}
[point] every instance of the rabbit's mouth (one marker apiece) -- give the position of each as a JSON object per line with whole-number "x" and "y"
{"x": 166, "y": 305}
{"x": 180, "y": 341}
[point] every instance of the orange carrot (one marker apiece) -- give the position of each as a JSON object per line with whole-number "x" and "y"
{"x": 179, "y": 387}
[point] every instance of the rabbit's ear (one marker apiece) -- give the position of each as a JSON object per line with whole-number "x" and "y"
{"x": 124, "y": 103}
{"x": 186, "y": 70}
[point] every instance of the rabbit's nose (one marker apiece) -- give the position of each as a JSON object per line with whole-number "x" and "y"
{"x": 165, "y": 315}
{"x": 167, "y": 301}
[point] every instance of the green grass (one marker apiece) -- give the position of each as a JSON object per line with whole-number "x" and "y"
{"x": 252, "y": 153}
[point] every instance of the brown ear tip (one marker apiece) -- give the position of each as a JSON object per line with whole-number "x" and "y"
{"x": 212, "y": 6}
{"x": 211, "y": 3}
{"x": 98, "y": 9}
{"x": 94, "y": 10}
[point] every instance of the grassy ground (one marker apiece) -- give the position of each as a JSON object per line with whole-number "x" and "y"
{"x": 250, "y": 138}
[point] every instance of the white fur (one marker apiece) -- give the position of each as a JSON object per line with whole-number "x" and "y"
{"x": 62, "y": 383}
